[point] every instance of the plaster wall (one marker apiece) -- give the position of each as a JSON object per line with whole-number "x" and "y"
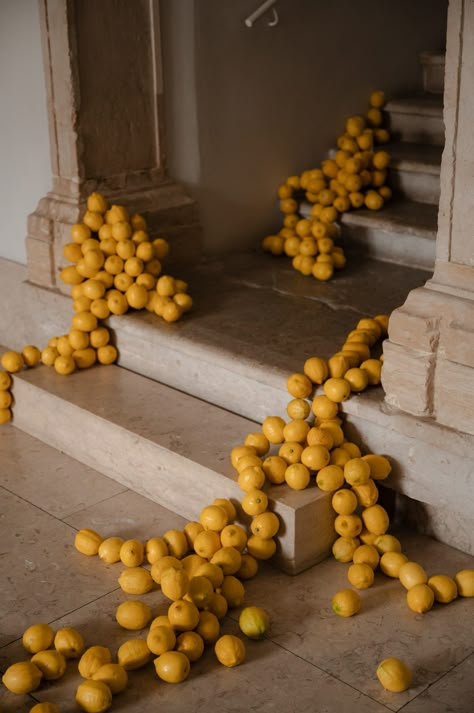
{"x": 25, "y": 170}
{"x": 247, "y": 107}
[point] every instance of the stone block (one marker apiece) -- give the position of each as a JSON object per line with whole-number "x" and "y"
{"x": 454, "y": 395}
{"x": 407, "y": 379}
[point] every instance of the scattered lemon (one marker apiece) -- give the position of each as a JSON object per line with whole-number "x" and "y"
{"x": 172, "y": 666}
{"x": 191, "y": 645}
{"x": 174, "y": 583}
{"x": 133, "y": 654}
{"x": 230, "y": 650}
{"x": 412, "y": 573}
{"x": 465, "y": 582}
{"x": 12, "y": 362}
{"x": 183, "y": 615}
{"x": 133, "y": 615}
{"x": 135, "y": 580}
{"x": 361, "y": 575}
{"x": 161, "y": 639}
{"x": 37, "y": 637}
{"x": 109, "y": 549}
{"x": 394, "y": 675}
{"x": 344, "y": 547}
{"x": 132, "y": 553}
{"x": 51, "y": 663}
{"x": 444, "y": 588}
{"x": 390, "y": 563}
{"x": 69, "y": 642}
{"x": 92, "y": 659}
{"x": 346, "y": 602}
{"x": 344, "y": 502}
{"x": 367, "y": 554}
{"x": 113, "y": 675}
{"x": 420, "y": 598}
{"x": 87, "y": 541}
{"x": 375, "y": 519}
{"x": 94, "y": 696}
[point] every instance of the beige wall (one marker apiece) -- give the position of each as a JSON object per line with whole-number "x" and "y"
{"x": 245, "y": 107}
{"x": 25, "y": 173}
{"x": 270, "y": 101}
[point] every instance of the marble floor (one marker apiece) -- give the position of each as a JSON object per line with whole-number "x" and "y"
{"x": 311, "y": 660}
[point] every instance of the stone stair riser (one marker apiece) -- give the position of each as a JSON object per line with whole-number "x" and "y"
{"x": 415, "y": 185}
{"x": 416, "y": 128}
{"x": 391, "y": 246}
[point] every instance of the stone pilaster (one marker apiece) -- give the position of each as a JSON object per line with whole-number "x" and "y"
{"x": 103, "y": 76}
{"x": 429, "y": 357}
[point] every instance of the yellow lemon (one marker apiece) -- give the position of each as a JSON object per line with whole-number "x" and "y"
{"x": 113, "y": 675}
{"x": 248, "y": 567}
{"x": 330, "y": 478}
{"x": 22, "y": 677}
{"x": 80, "y": 233}
{"x": 298, "y": 408}
{"x": 213, "y": 517}
{"x": 5, "y": 381}
{"x": 192, "y": 529}
{"x": 133, "y": 615}
{"x": 161, "y": 639}
{"x": 172, "y": 666}
{"x": 299, "y": 386}
{"x": 31, "y": 355}
{"x": 344, "y": 547}
{"x": 315, "y": 457}
{"x": 132, "y": 553}
{"x": 183, "y": 615}
{"x": 244, "y": 463}
{"x": 380, "y": 467}
{"x": 255, "y": 501}
{"x": 356, "y": 471}
{"x": 296, "y": 431}
{"x": 361, "y": 575}
{"x": 387, "y": 543}
{"x": 191, "y": 563}
{"x": 207, "y": 543}
{"x": 233, "y": 591}
{"x": 211, "y": 572}
{"x": 201, "y": 589}
{"x": 375, "y": 519}
{"x": 51, "y": 663}
{"x": 159, "y": 567}
{"x": 190, "y": 644}
{"x": 230, "y": 650}
{"x": 208, "y": 627}
{"x": 260, "y": 548}
{"x": 348, "y": 525}
{"x": 316, "y": 369}
{"x": 297, "y": 476}
{"x": 69, "y": 642}
{"x": 420, "y": 598}
{"x": 254, "y": 622}
{"x": 107, "y": 355}
{"x": 290, "y": 452}
{"x": 133, "y": 654}
{"x": 234, "y": 535}
{"x": 337, "y": 390}
{"x": 272, "y": 428}
{"x": 465, "y": 582}
{"x": 412, "y": 573}
{"x": 109, "y": 549}
{"x": 265, "y": 525}
{"x": 394, "y": 675}
{"x": 174, "y": 583}
{"x": 87, "y": 541}
{"x": 228, "y": 506}
{"x": 45, "y": 707}
{"x": 12, "y": 362}
{"x": 37, "y": 637}
{"x": 346, "y": 603}
{"x": 94, "y": 696}
{"x": 390, "y": 563}
{"x": 92, "y": 659}
{"x": 252, "y": 477}
{"x": 367, "y": 494}
{"x": 176, "y": 542}
{"x": 367, "y": 554}
{"x": 218, "y": 605}
{"x": 135, "y": 580}
{"x": 444, "y": 588}
{"x": 259, "y": 441}
{"x": 344, "y": 502}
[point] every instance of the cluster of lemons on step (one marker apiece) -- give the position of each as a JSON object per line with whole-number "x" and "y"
{"x": 354, "y": 178}
{"x": 116, "y": 267}
{"x": 199, "y": 570}
{"x": 318, "y": 449}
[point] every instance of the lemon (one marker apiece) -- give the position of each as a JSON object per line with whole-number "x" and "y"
{"x": 361, "y": 575}
{"x": 380, "y": 467}
{"x": 376, "y": 519}
{"x": 358, "y": 379}
{"x": 299, "y": 386}
{"x": 80, "y": 233}
{"x": 420, "y": 598}
{"x": 465, "y": 582}
{"x": 272, "y": 428}
{"x": 214, "y": 517}
{"x": 230, "y": 650}
{"x": 176, "y": 542}
{"x": 12, "y": 362}
{"x": 394, "y": 675}
{"x": 183, "y": 615}
{"x": 22, "y": 677}
{"x": 254, "y": 502}
{"x": 296, "y": 431}
{"x": 348, "y": 525}
{"x": 411, "y": 573}
{"x": 260, "y": 441}
{"x": 291, "y": 452}
{"x": 330, "y": 478}
{"x": 337, "y": 389}
{"x": 252, "y": 477}
{"x": 344, "y": 502}
{"x": 92, "y": 659}
{"x": 172, "y": 666}
{"x": 387, "y": 543}
{"x": 5, "y": 413}
{"x": 161, "y": 639}
{"x": 133, "y": 615}
{"x": 346, "y": 603}
{"x": 316, "y": 369}
{"x": 208, "y": 627}
{"x": 318, "y": 436}
{"x": 228, "y": 506}
{"x": 254, "y": 622}
{"x": 261, "y": 549}
{"x": 133, "y": 654}
{"x": 87, "y": 541}
{"x": 444, "y": 588}
{"x": 5, "y": 381}
{"x": 344, "y": 547}
{"x": 297, "y": 476}
{"x": 192, "y": 529}
{"x": 245, "y": 462}
{"x": 135, "y": 580}
{"x": 69, "y": 642}
{"x": 45, "y": 707}
{"x": 31, "y": 355}
{"x": 315, "y": 457}
{"x": 51, "y": 663}
{"x": 174, "y": 583}
{"x": 109, "y": 549}
{"x": 233, "y": 591}
{"x": 113, "y": 675}
{"x": 367, "y": 554}
{"x": 228, "y": 559}
{"x": 207, "y": 543}
{"x": 37, "y": 637}
{"x": 190, "y": 644}
{"x": 390, "y": 563}
{"x": 356, "y": 471}
{"x": 94, "y": 696}
{"x": 366, "y": 494}
{"x": 132, "y": 553}
{"x": 248, "y": 567}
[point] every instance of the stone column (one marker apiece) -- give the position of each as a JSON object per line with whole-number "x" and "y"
{"x": 429, "y": 357}
{"x": 102, "y": 63}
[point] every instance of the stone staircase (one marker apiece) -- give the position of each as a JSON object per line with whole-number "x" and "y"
{"x": 164, "y": 420}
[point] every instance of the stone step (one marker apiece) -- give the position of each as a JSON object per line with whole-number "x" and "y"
{"x": 417, "y": 119}
{"x": 432, "y": 68}
{"x": 415, "y": 171}
{"x": 165, "y": 445}
{"x": 403, "y": 232}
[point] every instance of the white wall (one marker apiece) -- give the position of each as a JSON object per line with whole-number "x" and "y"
{"x": 271, "y": 101}
{"x": 25, "y": 171}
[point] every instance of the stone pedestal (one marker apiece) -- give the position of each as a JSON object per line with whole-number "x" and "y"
{"x": 429, "y": 358}
{"x": 104, "y": 92}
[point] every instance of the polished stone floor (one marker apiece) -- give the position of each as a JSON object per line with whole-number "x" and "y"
{"x": 311, "y": 660}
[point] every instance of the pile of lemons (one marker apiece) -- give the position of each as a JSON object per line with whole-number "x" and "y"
{"x": 116, "y": 267}
{"x": 199, "y": 570}
{"x": 355, "y": 177}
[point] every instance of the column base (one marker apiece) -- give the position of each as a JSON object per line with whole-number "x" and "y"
{"x": 168, "y": 210}
{"x": 429, "y": 357}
